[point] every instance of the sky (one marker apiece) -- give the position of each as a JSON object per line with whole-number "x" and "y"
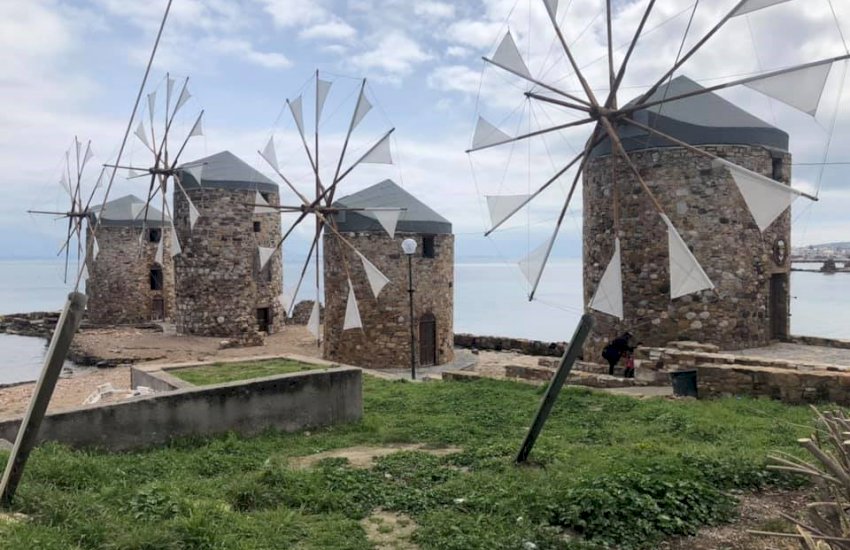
{"x": 73, "y": 68}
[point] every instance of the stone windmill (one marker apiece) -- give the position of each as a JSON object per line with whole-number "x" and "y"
{"x": 71, "y": 180}
{"x": 674, "y": 182}
{"x": 318, "y": 202}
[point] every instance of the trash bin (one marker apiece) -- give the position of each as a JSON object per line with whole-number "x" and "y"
{"x": 684, "y": 383}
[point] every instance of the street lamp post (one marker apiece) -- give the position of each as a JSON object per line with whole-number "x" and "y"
{"x": 409, "y": 248}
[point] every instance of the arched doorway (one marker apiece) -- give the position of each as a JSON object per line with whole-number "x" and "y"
{"x": 427, "y": 340}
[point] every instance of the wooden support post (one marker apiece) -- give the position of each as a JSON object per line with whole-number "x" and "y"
{"x": 567, "y": 361}
{"x": 63, "y": 334}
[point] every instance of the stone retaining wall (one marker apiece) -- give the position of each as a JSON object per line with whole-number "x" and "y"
{"x": 786, "y": 385}
{"x": 520, "y": 345}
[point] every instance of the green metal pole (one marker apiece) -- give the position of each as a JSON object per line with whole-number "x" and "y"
{"x": 571, "y": 354}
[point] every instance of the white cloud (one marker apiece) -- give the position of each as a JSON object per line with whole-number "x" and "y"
{"x": 434, "y": 10}
{"x": 455, "y": 78}
{"x": 244, "y": 50}
{"x": 332, "y": 30}
{"x": 458, "y": 51}
{"x": 290, "y": 13}
{"x": 474, "y": 33}
{"x": 396, "y": 54}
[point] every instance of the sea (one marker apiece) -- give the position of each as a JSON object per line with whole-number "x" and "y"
{"x": 490, "y": 298}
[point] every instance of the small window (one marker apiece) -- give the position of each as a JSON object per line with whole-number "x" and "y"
{"x": 257, "y": 227}
{"x": 428, "y": 247}
{"x": 156, "y": 278}
{"x": 154, "y": 235}
{"x": 777, "y": 169}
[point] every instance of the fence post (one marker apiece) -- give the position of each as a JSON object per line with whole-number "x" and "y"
{"x": 60, "y": 343}
{"x": 567, "y": 361}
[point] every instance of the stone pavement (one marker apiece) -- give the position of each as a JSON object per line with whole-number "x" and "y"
{"x": 798, "y": 352}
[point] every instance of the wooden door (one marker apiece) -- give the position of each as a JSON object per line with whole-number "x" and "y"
{"x": 779, "y": 306}
{"x": 157, "y": 309}
{"x": 428, "y": 340}
{"x": 263, "y": 319}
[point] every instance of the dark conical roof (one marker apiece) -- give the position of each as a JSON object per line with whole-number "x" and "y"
{"x": 705, "y": 119}
{"x": 129, "y": 211}
{"x": 225, "y": 170}
{"x": 417, "y": 218}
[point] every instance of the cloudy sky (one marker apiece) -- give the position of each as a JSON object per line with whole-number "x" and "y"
{"x": 73, "y": 67}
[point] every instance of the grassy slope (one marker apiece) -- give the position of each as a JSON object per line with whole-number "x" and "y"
{"x": 229, "y": 372}
{"x": 604, "y": 458}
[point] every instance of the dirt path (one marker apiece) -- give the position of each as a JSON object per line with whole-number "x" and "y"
{"x": 758, "y": 512}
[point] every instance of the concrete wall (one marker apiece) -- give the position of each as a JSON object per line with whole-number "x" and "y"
{"x": 289, "y": 403}
{"x": 384, "y": 341}
{"x": 118, "y": 287}
{"x": 710, "y": 214}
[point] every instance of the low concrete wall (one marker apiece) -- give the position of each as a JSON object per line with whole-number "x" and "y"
{"x": 289, "y": 402}
{"x": 521, "y": 345}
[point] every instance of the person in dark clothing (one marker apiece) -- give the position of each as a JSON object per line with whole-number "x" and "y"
{"x": 616, "y": 350}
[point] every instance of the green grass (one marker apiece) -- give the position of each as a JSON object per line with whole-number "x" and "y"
{"x": 231, "y": 372}
{"x": 609, "y": 470}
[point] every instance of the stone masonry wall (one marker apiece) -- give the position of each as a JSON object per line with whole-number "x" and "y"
{"x": 384, "y": 341}
{"x": 709, "y": 212}
{"x": 119, "y": 285}
{"x": 218, "y": 291}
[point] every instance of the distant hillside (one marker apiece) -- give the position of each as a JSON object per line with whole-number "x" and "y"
{"x": 834, "y": 246}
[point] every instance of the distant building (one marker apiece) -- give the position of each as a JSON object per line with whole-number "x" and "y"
{"x": 127, "y": 282}
{"x": 384, "y": 341}
{"x": 221, "y": 288}
{"x": 750, "y": 269}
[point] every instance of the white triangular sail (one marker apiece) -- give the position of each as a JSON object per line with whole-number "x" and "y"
{"x": 269, "y": 154}
{"x": 380, "y": 153}
{"x": 551, "y": 7}
{"x": 533, "y": 264}
{"x": 377, "y": 280}
{"x": 767, "y": 199}
{"x": 142, "y": 134}
{"x": 686, "y": 275}
{"x": 84, "y": 274}
{"x": 63, "y": 181}
{"x": 323, "y": 88}
{"x": 752, "y": 5}
{"x": 151, "y": 105}
{"x": 176, "y": 249}
{"x": 160, "y": 250}
{"x": 363, "y": 107}
{"x": 184, "y": 97}
{"x": 297, "y": 113}
{"x": 313, "y": 321}
{"x": 507, "y": 55}
{"x": 503, "y": 207}
{"x": 169, "y": 88}
{"x": 266, "y": 254}
{"x": 196, "y": 171}
{"x": 609, "y": 294}
{"x": 388, "y": 220}
{"x": 261, "y": 205}
{"x": 95, "y": 249}
{"x": 193, "y": 213}
{"x": 801, "y": 89}
{"x": 352, "y": 312}
{"x": 87, "y": 157}
{"x": 487, "y": 134}
{"x": 197, "y": 129}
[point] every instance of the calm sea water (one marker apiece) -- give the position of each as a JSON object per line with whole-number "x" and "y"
{"x": 490, "y": 298}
